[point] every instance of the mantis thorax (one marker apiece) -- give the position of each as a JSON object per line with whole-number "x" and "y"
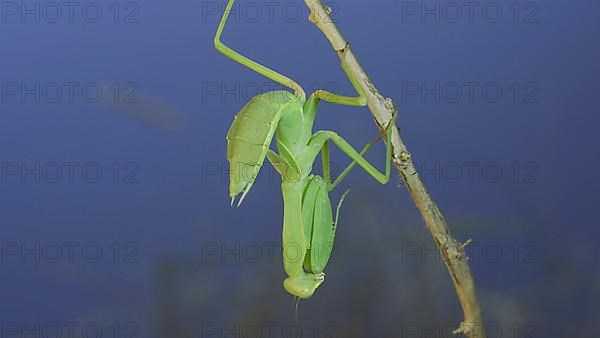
{"x": 293, "y": 134}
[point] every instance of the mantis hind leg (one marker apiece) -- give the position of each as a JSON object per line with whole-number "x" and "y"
{"x": 337, "y": 212}
{"x": 255, "y": 66}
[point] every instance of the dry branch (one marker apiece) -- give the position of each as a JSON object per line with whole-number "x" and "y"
{"x": 381, "y": 108}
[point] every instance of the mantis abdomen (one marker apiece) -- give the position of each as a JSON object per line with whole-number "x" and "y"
{"x": 249, "y": 138}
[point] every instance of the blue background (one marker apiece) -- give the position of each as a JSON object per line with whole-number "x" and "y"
{"x": 536, "y": 253}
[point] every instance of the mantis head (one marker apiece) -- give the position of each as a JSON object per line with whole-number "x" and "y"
{"x": 304, "y": 285}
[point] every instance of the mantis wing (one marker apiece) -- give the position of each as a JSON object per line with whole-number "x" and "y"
{"x": 319, "y": 226}
{"x": 251, "y": 134}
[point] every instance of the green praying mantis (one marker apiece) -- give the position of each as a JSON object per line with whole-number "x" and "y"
{"x": 308, "y": 225}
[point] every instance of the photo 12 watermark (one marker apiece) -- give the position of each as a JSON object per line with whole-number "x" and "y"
{"x": 52, "y": 172}
{"x": 473, "y": 172}
{"x": 269, "y": 330}
{"x": 68, "y": 329}
{"x": 223, "y": 172}
{"x": 242, "y": 92}
{"x": 491, "y": 252}
{"x": 515, "y": 92}
{"x": 453, "y": 12}
{"x": 69, "y": 252}
{"x": 55, "y": 12}
{"x": 69, "y": 92}
{"x": 259, "y": 252}
{"x": 492, "y": 329}
{"x": 264, "y": 11}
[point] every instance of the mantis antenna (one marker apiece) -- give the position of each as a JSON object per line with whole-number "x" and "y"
{"x": 255, "y": 66}
{"x": 296, "y": 302}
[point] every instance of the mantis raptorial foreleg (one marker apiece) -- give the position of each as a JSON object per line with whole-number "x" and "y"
{"x": 360, "y": 100}
{"x": 287, "y": 170}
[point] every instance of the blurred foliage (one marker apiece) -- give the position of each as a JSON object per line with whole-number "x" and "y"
{"x": 377, "y": 285}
